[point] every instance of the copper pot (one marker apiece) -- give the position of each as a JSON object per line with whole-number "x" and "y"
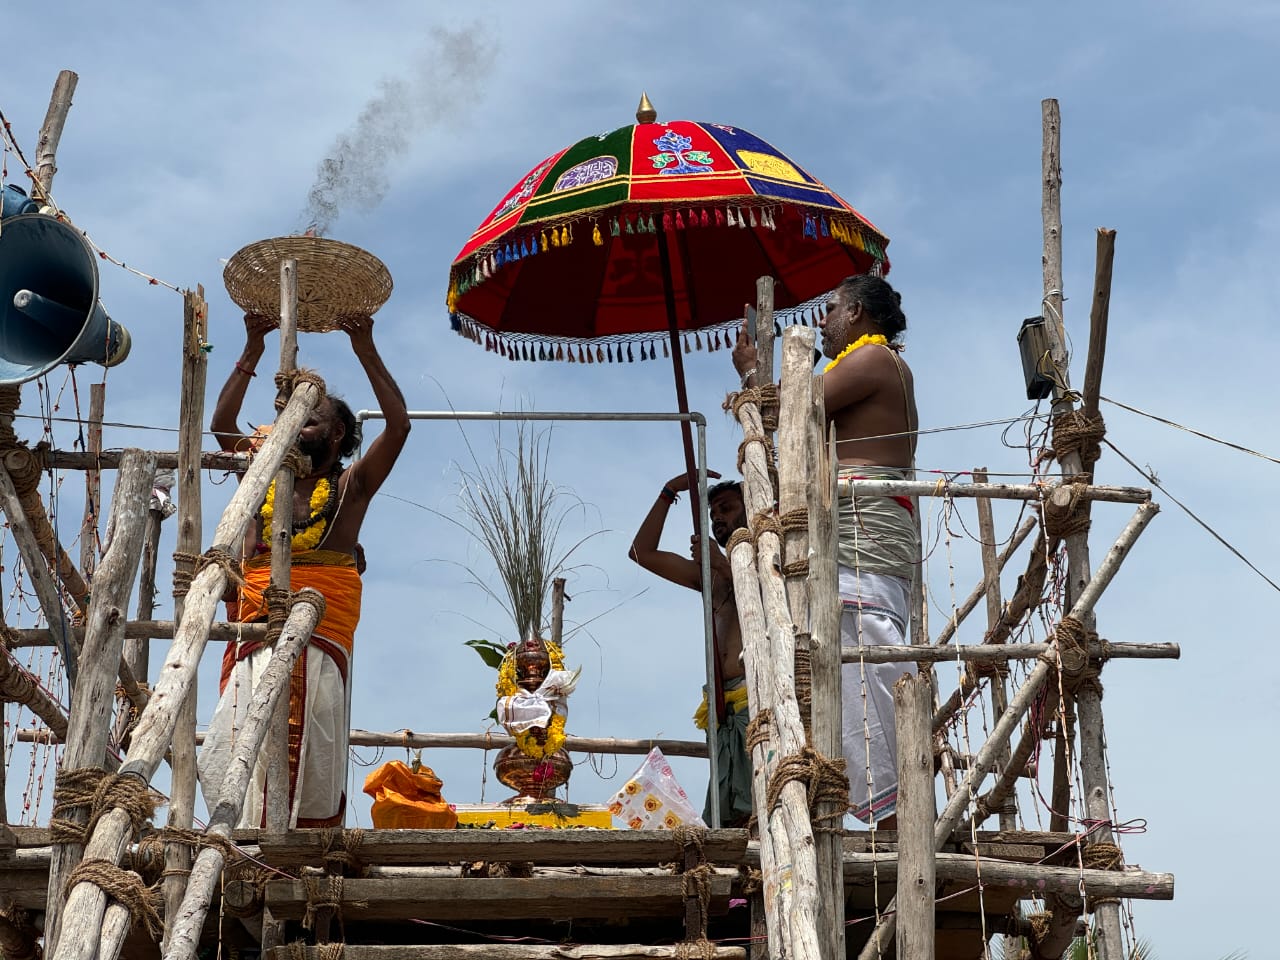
{"x": 532, "y": 778}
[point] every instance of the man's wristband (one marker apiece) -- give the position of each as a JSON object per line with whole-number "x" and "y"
{"x": 668, "y": 494}
{"x": 748, "y": 375}
{"x": 245, "y": 370}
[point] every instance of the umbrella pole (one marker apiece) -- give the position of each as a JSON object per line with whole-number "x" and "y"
{"x": 715, "y": 677}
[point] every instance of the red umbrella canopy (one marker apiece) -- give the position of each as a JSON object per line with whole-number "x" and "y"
{"x": 572, "y": 251}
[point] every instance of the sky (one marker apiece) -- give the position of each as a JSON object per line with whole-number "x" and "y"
{"x": 197, "y": 131}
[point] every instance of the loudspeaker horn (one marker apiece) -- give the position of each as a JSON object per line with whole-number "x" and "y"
{"x": 49, "y": 309}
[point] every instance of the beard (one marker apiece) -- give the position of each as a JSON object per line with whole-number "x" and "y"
{"x": 316, "y": 447}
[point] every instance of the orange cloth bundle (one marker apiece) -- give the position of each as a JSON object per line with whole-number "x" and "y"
{"x": 404, "y": 800}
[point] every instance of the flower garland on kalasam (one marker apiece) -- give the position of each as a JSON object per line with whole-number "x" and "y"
{"x": 527, "y": 740}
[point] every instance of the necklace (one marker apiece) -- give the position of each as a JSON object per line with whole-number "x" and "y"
{"x": 879, "y": 339}
{"x": 308, "y": 532}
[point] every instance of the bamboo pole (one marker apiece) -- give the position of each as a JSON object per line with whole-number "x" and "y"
{"x": 980, "y": 591}
{"x": 137, "y": 652}
{"x": 1032, "y": 878}
{"x": 996, "y": 491}
{"x": 19, "y": 685}
{"x": 278, "y": 813}
{"x": 991, "y": 570}
{"x": 21, "y": 462}
{"x": 182, "y": 796}
{"x": 145, "y": 630}
{"x": 764, "y": 331}
{"x": 1093, "y": 768}
{"x": 190, "y": 914}
{"x": 796, "y": 466}
{"x": 557, "y": 610}
{"x": 1003, "y": 653}
{"x": 42, "y": 582}
{"x": 55, "y": 118}
{"x": 755, "y": 647}
{"x": 92, "y": 700}
{"x": 824, "y": 653}
{"x": 912, "y": 700}
{"x": 92, "y": 483}
{"x": 165, "y": 460}
{"x": 473, "y": 741}
{"x": 1018, "y": 706}
{"x": 86, "y": 901}
{"x": 789, "y": 822}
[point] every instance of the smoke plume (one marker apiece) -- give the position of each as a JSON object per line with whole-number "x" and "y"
{"x": 445, "y": 77}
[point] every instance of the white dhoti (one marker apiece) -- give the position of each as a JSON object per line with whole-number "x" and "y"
{"x": 876, "y": 611}
{"x": 319, "y": 701}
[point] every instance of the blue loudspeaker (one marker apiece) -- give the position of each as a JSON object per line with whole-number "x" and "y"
{"x": 49, "y": 309}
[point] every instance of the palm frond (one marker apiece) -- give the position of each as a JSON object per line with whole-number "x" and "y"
{"x": 516, "y": 514}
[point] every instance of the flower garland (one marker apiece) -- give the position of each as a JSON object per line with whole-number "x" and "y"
{"x": 879, "y": 339}
{"x": 507, "y": 687}
{"x": 311, "y": 530}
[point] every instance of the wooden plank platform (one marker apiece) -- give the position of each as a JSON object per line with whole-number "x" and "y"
{"x": 422, "y": 847}
{"x": 502, "y": 951}
{"x": 485, "y": 898}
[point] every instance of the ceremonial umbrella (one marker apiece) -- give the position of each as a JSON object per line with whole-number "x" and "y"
{"x": 654, "y": 228}
{"x": 651, "y": 233}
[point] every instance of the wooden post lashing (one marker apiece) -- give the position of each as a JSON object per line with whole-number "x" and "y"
{"x": 912, "y": 701}
{"x": 270, "y": 689}
{"x": 64, "y": 89}
{"x": 86, "y": 901}
{"x": 182, "y": 797}
{"x": 92, "y": 700}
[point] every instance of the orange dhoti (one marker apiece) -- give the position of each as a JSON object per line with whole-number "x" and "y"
{"x": 319, "y": 693}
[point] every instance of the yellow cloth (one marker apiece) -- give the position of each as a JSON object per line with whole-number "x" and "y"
{"x": 735, "y": 701}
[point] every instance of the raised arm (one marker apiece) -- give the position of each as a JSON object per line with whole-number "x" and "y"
{"x": 375, "y": 465}
{"x": 644, "y": 547}
{"x": 231, "y": 397}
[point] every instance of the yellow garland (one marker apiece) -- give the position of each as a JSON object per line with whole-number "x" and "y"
{"x": 507, "y": 687}
{"x": 306, "y": 539}
{"x": 879, "y": 339}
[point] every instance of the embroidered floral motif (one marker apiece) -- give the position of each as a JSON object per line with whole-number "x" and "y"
{"x": 589, "y": 171}
{"x": 678, "y": 150}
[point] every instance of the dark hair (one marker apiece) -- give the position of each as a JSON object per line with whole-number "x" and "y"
{"x": 351, "y": 437}
{"x": 724, "y": 486}
{"x": 882, "y": 303}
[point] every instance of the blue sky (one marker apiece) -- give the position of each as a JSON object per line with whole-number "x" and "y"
{"x": 196, "y": 131}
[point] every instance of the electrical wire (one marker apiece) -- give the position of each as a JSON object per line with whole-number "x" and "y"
{"x": 1155, "y": 482}
{"x": 1192, "y": 430}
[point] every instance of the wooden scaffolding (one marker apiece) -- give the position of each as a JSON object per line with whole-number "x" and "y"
{"x": 106, "y": 880}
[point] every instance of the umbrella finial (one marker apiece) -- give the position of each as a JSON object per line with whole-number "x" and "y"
{"x": 645, "y": 113}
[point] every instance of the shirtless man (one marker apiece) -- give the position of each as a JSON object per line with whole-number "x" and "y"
{"x": 870, "y": 399}
{"x": 329, "y": 506}
{"x": 728, "y": 513}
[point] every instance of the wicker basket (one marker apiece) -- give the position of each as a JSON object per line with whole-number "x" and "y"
{"x": 335, "y": 280}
